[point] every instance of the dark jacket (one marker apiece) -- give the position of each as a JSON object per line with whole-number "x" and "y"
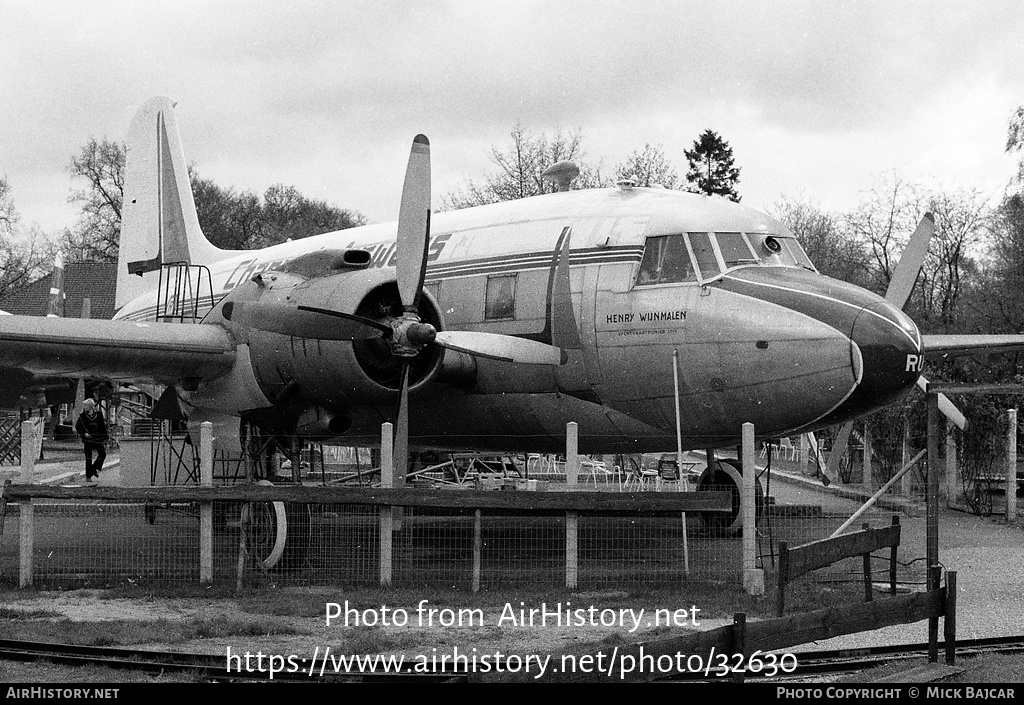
{"x": 96, "y": 427}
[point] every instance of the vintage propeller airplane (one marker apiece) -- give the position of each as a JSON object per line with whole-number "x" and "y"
{"x": 492, "y": 327}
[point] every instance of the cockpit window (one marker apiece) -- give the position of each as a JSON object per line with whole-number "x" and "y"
{"x": 735, "y": 250}
{"x": 704, "y": 253}
{"x": 665, "y": 261}
{"x": 798, "y": 253}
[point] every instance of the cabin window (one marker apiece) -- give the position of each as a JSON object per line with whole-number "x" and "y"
{"x": 501, "y": 297}
{"x": 735, "y": 250}
{"x": 665, "y": 261}
{"x": 704, "y": 253}
{"x": 434, "y": 288}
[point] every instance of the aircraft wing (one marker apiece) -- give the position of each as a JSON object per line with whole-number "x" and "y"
{"x": 953, "y": 345}
{"x": 161, "y": 353}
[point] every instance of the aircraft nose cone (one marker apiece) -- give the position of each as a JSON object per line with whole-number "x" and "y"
{"x": 890, "y": 348}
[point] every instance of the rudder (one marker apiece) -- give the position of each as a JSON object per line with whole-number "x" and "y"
{"x": 159, "y": 224}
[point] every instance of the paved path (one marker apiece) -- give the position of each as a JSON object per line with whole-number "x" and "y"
{"x": 986, "y": 552}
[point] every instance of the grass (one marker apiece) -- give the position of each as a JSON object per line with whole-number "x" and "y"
{"x": 50, "y": 673}
{"x": 129, "y": 632}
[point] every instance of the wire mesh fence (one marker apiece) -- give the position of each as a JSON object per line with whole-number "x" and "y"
{"x": 98, "y": 544}
{"x": 84, "y": 542}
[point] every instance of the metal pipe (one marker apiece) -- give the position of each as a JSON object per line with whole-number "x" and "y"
{"x": 882, "y": 490}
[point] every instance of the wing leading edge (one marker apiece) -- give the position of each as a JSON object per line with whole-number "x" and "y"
{"x": 955, "y": 345}
{"x": 161, "y": 353}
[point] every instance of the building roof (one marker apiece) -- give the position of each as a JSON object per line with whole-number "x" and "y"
{"x": 96, "y": 281}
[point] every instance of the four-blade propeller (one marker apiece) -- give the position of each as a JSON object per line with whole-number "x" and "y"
{"x": 406, "y": 334}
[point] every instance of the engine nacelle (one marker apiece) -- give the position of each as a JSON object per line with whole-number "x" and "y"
{"x": 316, "y": 423}
{"x": 334, "y": 375}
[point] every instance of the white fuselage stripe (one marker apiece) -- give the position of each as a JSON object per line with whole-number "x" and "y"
{"x": 916, "y": 343}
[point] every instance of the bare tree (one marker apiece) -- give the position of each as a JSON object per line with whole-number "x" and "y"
{"x": 884, "y": 222}
{"x": 8, "y": 214}
{"x": 230, "y": 220}
{"x": 98, "y": 231}
{"x": 287, "y": 214}
{"x": 832, "y": 248}
{"x": 962, "y": 226}
{"x": 24, "y": 256}
{"x": 519, "y": 168}
{"x": 648, "y": 168}
{"x": 240, "y": 221}
{"x": 1005, "y": 274}
{"x": 1015, "y": 141}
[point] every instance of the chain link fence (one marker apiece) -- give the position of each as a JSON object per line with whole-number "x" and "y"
{"x": 103, "y": 543}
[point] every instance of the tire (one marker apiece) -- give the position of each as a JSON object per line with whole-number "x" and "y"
{"x": 279, "y": 533}
{"x": 728, "y": 475}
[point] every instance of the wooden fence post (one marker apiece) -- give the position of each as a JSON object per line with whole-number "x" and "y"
{"x": 906, "y": 483}
{"x": 739, "y": 643}
{"x": 783, "y": 577}
{"x": 953, "y": 483}
{"x": 477, "y": 550}
{"x": 1011, "y": 466}
{"x": 949, "y": 621}
{"x": 753, "y": 577}
{"x": 869, "y": 593}
{"x": 387, "y": 479}
{"x": 206, "y": 508}
{"x": 934, "y": 576}
{"x": 932, "y": 484}
{"x": 868, "y": 476}
{"x": 26, "y": 541}
{"x": 572, "y": 464}
{"x": 892, "y": 560}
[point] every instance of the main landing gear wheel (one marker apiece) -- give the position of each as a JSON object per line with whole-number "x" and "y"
{"x": 727, "y": 475}
{"x": 279, "y": 533}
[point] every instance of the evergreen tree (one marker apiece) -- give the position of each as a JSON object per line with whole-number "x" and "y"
{"x": 711, "y": 167}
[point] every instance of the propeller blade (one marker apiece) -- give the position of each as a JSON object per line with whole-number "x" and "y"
{"x": 565, "y": 333}
{"x": 900, "y": 286}
{"x": 304, "y": 321}
{"x": 414, "y": 224}
{"x": 905, "y": 276}
{"x": 500, "y": 347}
{"x": 401, "y": 454}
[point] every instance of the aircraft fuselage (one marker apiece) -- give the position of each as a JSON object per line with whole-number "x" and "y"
{"x": 760, "y": 335}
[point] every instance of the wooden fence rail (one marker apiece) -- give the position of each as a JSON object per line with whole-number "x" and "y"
{"x": 602, "y": 503}
{"x": 640, "y": 661}
{"x": 794, "y": 562}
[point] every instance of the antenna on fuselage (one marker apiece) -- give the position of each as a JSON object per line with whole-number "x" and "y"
{"x": 561, "y": 174}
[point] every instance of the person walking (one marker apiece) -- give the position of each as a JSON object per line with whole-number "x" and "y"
{"x": 92, "y": 429}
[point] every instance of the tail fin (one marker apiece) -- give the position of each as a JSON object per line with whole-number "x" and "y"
{"x": 158, "y": 219}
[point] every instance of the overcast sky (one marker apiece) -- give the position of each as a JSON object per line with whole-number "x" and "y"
{"x": 815, "y": 98}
